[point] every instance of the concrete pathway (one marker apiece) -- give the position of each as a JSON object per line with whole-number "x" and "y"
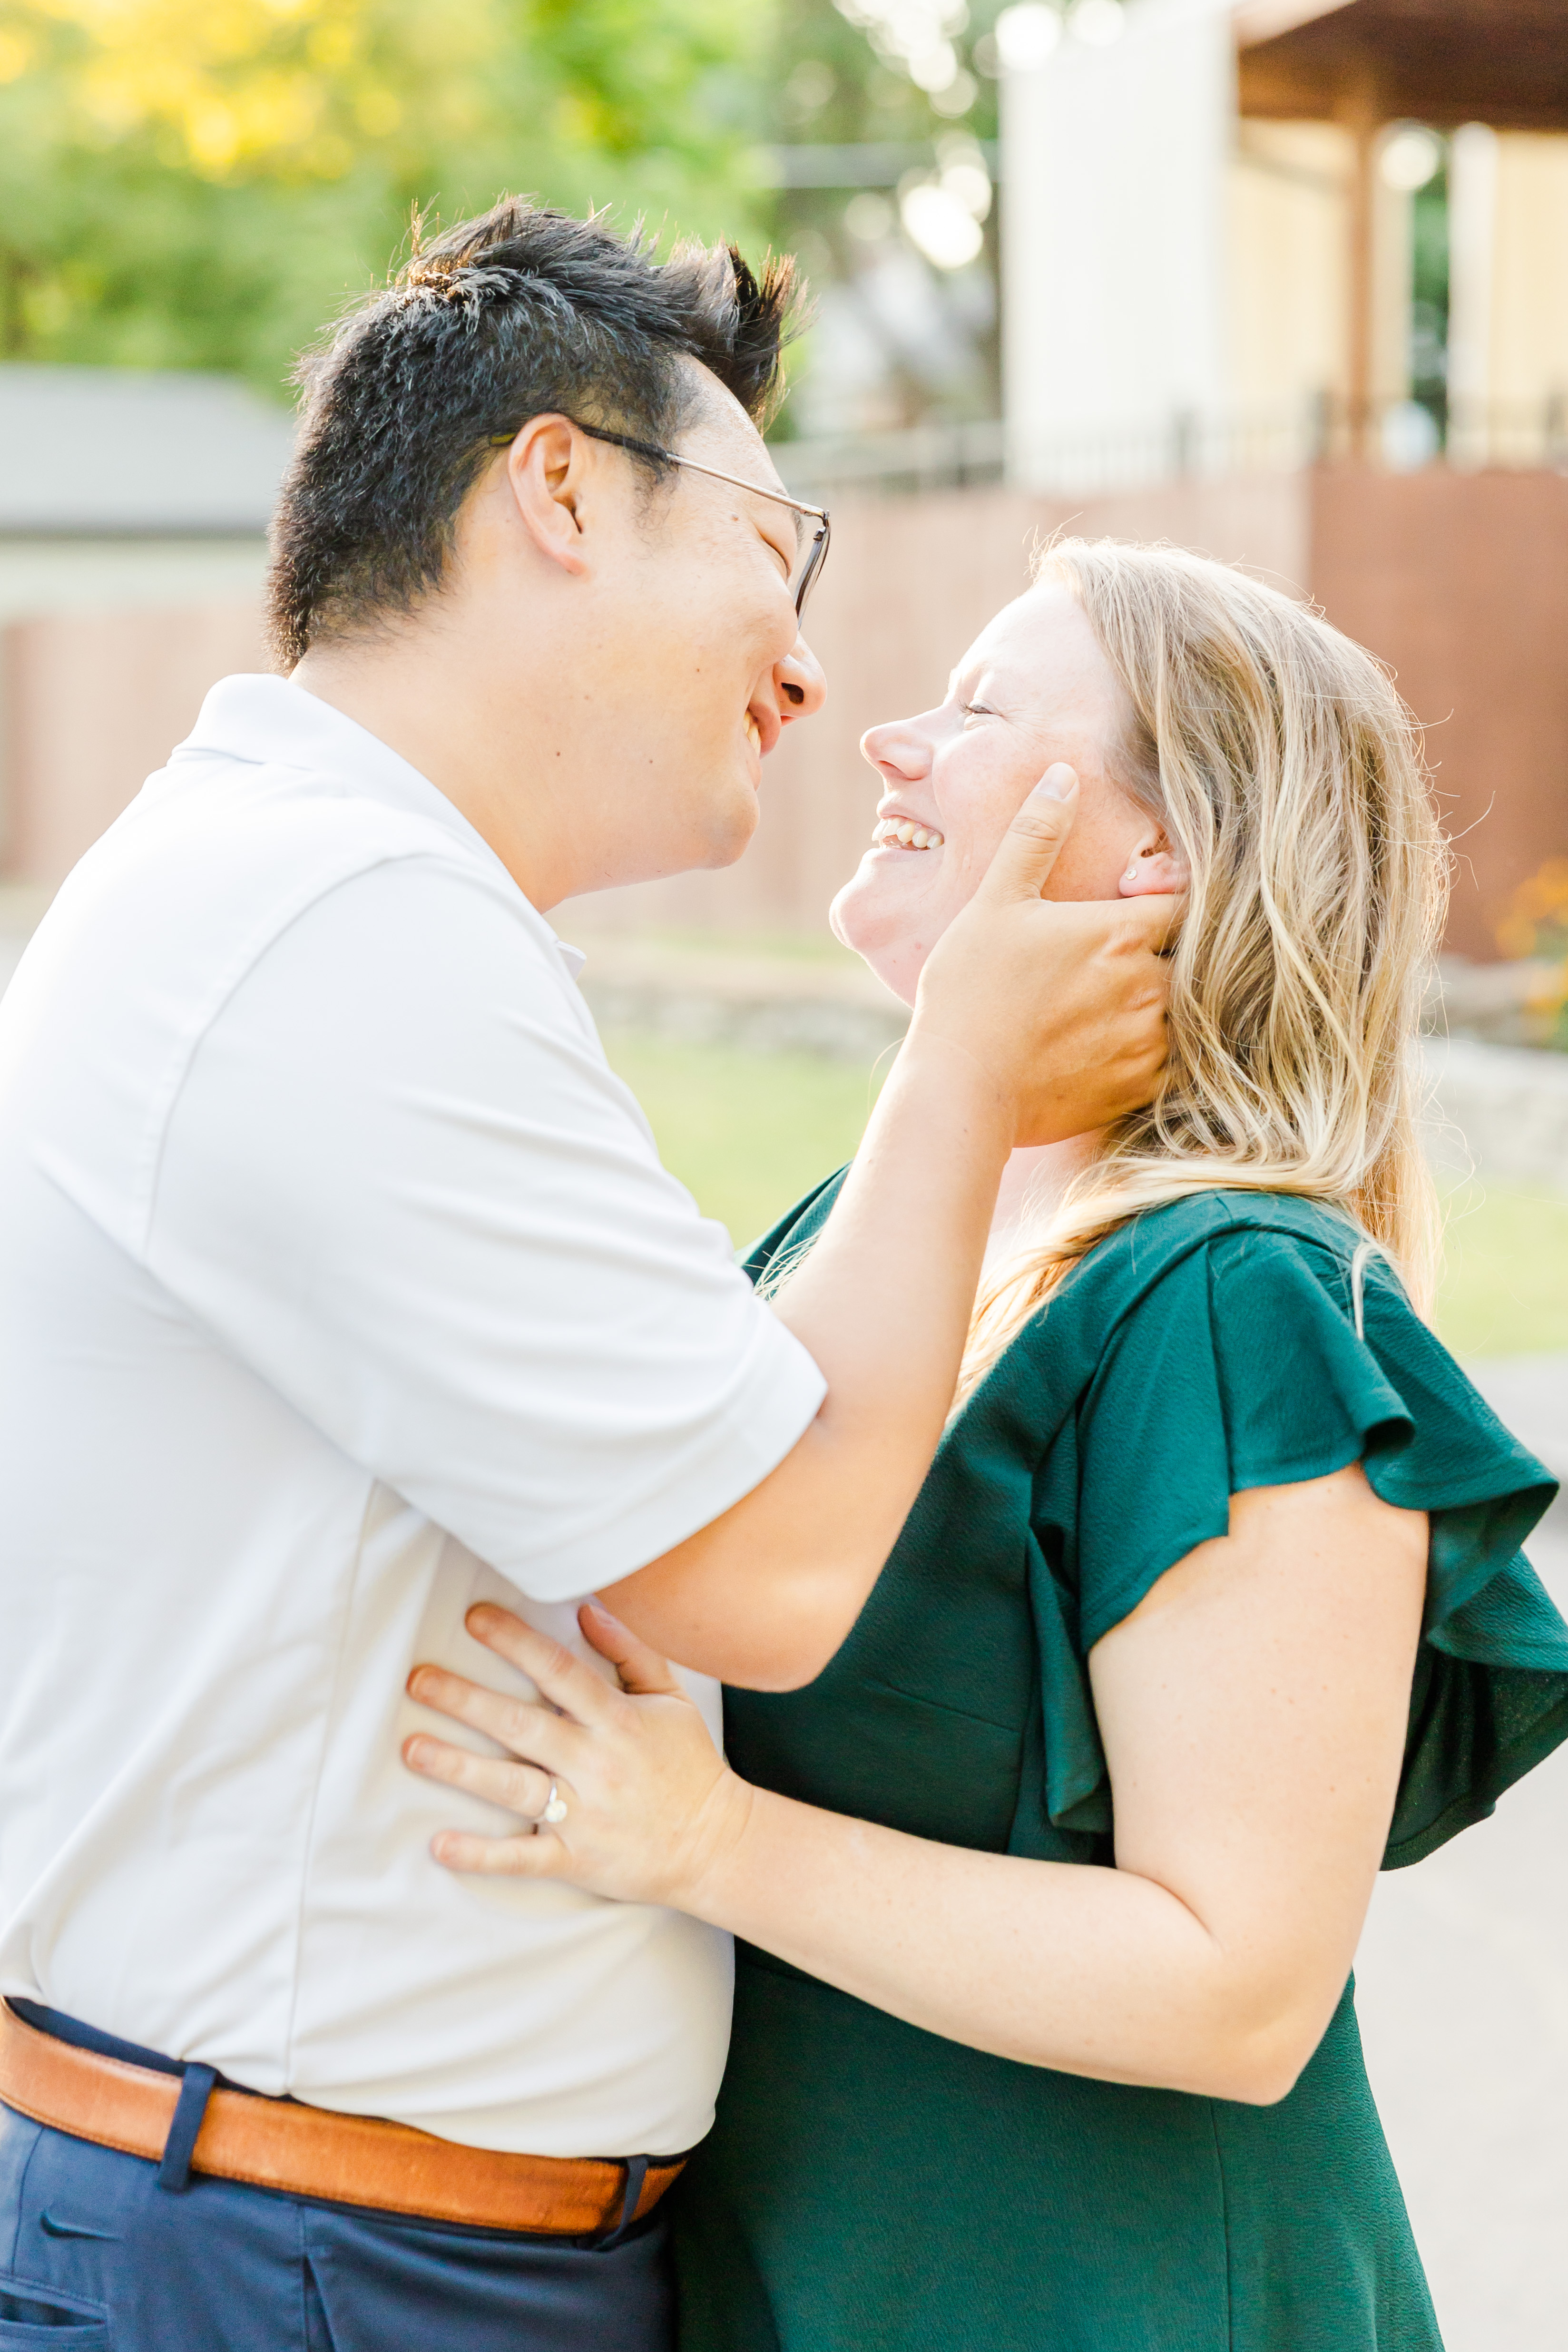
{"x": 1462, "y": 1986}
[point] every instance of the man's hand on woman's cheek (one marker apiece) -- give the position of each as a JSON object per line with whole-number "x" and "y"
{"x": 1065, "y": 999}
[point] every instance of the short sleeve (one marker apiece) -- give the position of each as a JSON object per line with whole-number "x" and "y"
{"x": 1242, "y": 1367}
{"x": 400, "y": 1183}
{"x": 794, "y": 1231}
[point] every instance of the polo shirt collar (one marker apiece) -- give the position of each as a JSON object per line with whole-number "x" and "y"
{"x": 273, "y": 722}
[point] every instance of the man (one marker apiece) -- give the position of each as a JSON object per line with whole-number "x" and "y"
{"x": 342, "y": 1288}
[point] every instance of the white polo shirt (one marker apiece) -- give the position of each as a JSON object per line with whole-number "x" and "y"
{"x": 339, "y": 1287}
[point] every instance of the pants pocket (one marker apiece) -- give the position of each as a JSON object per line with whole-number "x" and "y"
{"x": 35, "y": 2318}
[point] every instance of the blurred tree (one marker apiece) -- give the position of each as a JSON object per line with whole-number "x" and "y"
{"x": 201, "y": 183}
{"x": 1536, "y": 925}
{"x": 1429, "y": 298}
{"x": 849, "y": 73}
{"x": 907, "y": 89}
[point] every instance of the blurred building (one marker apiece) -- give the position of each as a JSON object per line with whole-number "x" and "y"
{"x": 1282, "y": 281}
{"x": 1259, "y": 232}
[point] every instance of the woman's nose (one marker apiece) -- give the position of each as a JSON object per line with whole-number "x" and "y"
{"x": 898, "y": 745}
{"x": 798, "y": 683}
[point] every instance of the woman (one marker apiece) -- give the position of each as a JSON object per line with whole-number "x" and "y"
{"x": 1211, "y": 1605}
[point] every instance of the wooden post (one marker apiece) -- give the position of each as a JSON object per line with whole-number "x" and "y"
{"x": 1362, "y": 116}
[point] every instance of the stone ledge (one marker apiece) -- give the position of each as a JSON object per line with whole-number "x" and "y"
{"x": 753, "y": 1004}
{"x": 1499, "y": 1110}
{"x": 1499, "y": 1003}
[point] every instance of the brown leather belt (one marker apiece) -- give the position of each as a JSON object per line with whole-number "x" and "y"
{"x": 313, "y": 2151}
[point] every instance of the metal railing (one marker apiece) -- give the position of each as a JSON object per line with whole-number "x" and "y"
{"x": 1521, "y": 434}
{"x": 1184, "y": 444}
{"x": 924, "y": 457}
{"x": 1397, "y": 437}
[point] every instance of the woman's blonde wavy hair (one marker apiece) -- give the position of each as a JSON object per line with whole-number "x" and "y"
{"x": 1284, "y": 767}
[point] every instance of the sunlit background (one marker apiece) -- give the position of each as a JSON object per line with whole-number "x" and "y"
{"x": 1283, "y": 280}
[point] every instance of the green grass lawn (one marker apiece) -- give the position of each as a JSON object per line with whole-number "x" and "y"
{"x": 748, "y": 1133}
{"x": 1505, "y": 1286}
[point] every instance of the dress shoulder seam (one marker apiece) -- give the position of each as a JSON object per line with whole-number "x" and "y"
{"x": 1205, "y": 1242}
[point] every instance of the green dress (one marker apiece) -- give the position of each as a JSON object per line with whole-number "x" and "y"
{"x": 871, "y": 2187}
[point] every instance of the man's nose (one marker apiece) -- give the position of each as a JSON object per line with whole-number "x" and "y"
{"x": 798, "y": 683}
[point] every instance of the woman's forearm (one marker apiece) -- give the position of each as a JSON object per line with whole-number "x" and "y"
{"x": 764, "y": 1595}
{"x": 1253, "y": 1708}
{"x": 1088, "y": 1970}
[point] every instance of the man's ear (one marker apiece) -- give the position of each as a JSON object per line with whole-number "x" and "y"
{"x": 547, "y": 468}
{"x": 1155, "y": 869}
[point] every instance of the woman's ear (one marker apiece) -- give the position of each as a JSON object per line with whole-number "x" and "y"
{"x": 1154, "y": 870}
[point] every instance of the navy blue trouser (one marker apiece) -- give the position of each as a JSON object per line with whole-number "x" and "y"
{"x": 96, "y": 2256}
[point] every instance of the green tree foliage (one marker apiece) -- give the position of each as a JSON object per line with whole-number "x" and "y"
{"x": 833, "y": 81}
{"x": 202, "y": 182}
{"x": 852, "y": 75}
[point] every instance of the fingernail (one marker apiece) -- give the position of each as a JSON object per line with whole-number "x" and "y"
{"x": 1058, "y": 784}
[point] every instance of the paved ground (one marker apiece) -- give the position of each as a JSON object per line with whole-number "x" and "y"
{"x": 1462, "y": 1984}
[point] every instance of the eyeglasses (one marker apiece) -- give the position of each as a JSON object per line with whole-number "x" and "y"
{"x": 807, "y": 566}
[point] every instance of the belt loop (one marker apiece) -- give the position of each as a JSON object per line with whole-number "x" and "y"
{"x": 175, "y": 2172}
{"x": 636, "y": 2173}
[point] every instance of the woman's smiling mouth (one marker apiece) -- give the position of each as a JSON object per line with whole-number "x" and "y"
{"x": 898, "y": 832}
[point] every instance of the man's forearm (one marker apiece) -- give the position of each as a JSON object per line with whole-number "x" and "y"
{"x": 766, "y": 1593}
{"x": 1035, "y": 1022}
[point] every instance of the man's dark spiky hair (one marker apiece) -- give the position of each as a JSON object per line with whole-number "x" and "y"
{"x": 518, "y": 313}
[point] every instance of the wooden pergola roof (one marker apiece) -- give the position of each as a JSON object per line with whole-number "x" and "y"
{"x": 1440, "y": 62}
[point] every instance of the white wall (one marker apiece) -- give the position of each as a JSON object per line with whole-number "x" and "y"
{"x": 1114, "y": 230}
{"x": 39, "y": 577}
{"x": 1472, "y": 247}
{"x": 1288, "y": 262}
{"x": 1508, "y": 327}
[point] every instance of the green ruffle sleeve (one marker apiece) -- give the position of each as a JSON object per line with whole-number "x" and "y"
{"x": 1240, "y": 1366}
